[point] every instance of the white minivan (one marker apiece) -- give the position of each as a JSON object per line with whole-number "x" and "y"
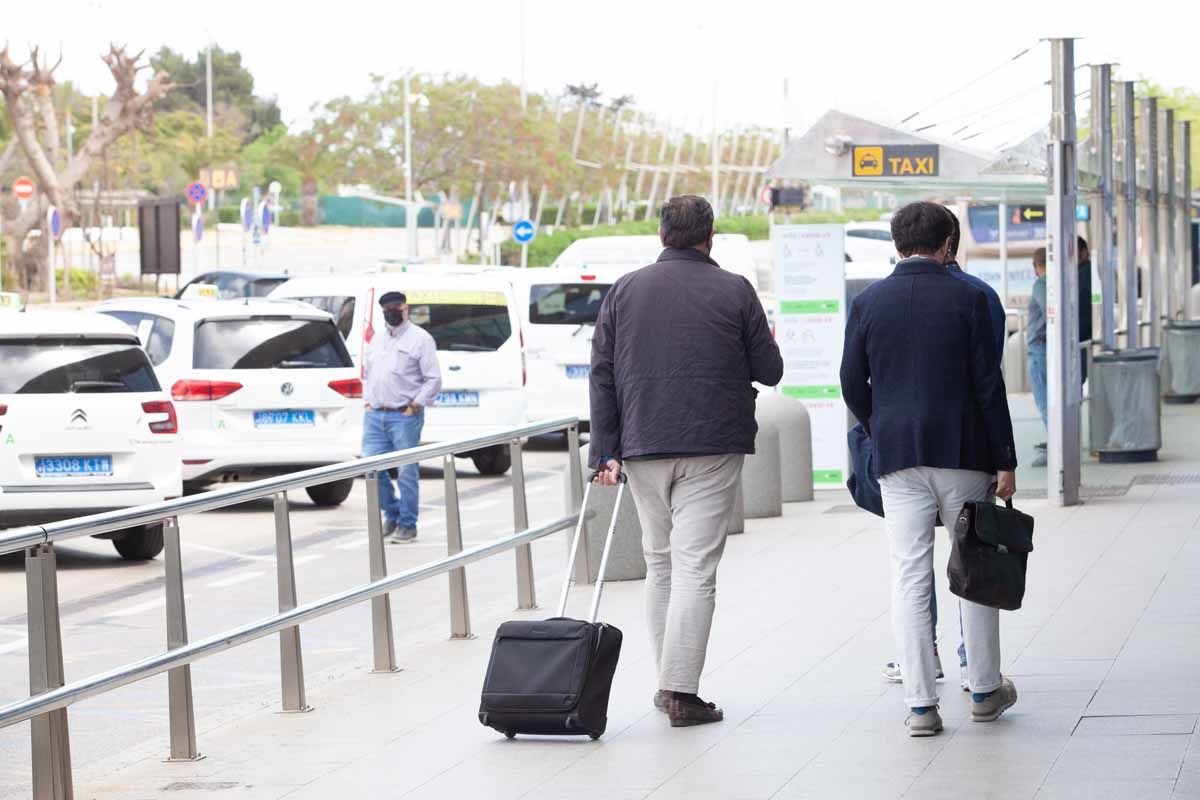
{"x": 627, "y": 253}
{"x": 474, "y": 318}
{"x": 262, "y": 388}
{"x": 84, "y": 425}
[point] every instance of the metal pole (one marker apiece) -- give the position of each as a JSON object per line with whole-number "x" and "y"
{"x": 180, "y": 707}
{"x": 49, "y": 734}
{"x": 526, "y": 591}
{"x": 1166, "y": 210}
{"x": 651, "y": 211}
{"x": 50, "y": 279}
{"x": 208, "y": 87}
{"x": 409, "y": 217}
{"x": 1062, "y": 295}
{"x": 1103, "y": 251}
{"x": 460, "y": 607}
{"x": 1148, "y": 111}
{"x": 1003, "y": 220}
{"x": 381, "y": 607}
{"x": 582, "y": 567}
{"x": 1126, "y": 154}
{"x": 716, "y": 159}
{"x": 291, "y": 657}
{"x": 521, "y": 6}
{"x": 1183, "y": 215}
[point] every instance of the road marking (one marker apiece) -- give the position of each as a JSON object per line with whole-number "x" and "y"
{"x": 15, "y": 645}
{"x": 541, "y": 488}
{"x": 222, "y": 551}
{"x": 487, "y": 503}
{"x": 356, "y": 544}
{"x": 233, "y": 580}
{"x": 307, "y": 558}
{"x": 138, "y": 608}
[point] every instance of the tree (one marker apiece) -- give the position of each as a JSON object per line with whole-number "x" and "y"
{"x": 234, "y": 103}
{"x": 27, "y": 90}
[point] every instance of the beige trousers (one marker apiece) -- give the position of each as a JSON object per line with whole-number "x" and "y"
{"x": 684, "y": 506}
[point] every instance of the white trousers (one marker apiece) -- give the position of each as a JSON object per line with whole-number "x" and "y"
{"x": 912, "y": 499}
{"x": 684, "y": 506}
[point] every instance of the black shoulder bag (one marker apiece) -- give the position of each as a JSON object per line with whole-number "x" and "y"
{"x": 988, "y": 559}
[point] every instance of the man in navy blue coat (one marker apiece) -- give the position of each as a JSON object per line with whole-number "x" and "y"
{"x": 920, "y": 372}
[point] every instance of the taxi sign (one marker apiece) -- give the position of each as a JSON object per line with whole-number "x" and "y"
{"x": 201, "y": 291}
{"x": 895, "y": 161}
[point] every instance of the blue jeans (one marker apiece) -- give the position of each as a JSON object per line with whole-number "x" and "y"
{"x": 386, "y": 432}
{"x": 1037, "y": 377}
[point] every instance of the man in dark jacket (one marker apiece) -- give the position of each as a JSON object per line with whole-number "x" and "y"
{"x": 919, "y": 371}
{"x": 676, "y": 347}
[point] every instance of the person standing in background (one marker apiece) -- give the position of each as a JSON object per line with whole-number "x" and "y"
{"x": 1035, "y": 344}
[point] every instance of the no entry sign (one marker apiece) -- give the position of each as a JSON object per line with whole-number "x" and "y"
{"x": 23, "y": 188}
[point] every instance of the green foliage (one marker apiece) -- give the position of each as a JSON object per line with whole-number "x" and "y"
{"x": 234, "y": 101}
{"x": 1186, "y": 104}
{"x": 228, "y": 214}
{"x": 289, "y": 218}
{"x": 83, "y": 282}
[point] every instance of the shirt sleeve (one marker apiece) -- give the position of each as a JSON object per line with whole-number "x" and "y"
{"x": 606, "y": 413}
{"x": 988, "y": 382}
{"x": 856, "y": 368}
{"x": 431, "y": 373}
{"x": 766, "y": 364}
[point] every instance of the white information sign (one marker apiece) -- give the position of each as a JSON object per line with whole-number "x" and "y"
{"x": 810, "y": 285}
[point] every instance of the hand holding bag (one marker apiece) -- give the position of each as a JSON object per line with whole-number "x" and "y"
{"x": 989, "y": 555}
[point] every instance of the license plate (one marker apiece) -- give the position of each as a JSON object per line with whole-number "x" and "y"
{"x": 72, "y": 466}
{"x": 457, "y": 399}
{"x": 579, "y": 371}
{"x": 276, "y": 419}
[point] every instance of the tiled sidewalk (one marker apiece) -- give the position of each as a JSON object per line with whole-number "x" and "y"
{"x": 1105, "y": 655}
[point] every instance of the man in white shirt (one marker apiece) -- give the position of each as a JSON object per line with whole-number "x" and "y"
{"x": 400, "y": 378}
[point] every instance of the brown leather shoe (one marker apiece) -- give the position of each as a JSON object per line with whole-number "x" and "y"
{"x": 661, "y": 699}
{"x": 684, "y": 714}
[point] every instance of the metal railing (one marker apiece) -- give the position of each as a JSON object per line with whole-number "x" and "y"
{"x": 49, "y": 697}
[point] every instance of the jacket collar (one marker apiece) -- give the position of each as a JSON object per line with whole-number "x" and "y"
{"x": 684, "y": 254}
{"x": 952, "y": 266}
{"x": 919, "y": 265}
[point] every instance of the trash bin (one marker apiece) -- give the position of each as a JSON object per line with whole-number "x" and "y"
{"x": 626, "y": 561}
{"x": 1125, "y": 413}
{"x": 1181, "y": 361}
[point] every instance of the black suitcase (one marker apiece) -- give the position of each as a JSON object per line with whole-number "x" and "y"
{"x": 552, "y": 677}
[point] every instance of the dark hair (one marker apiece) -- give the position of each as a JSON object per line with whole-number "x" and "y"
{"x": 1039, "y": 257}
{"x": 685, "y": 221}
{"x": 1082, "y": 244}
{"x": 921, "y": 228}
{"x": 956, "y": 234}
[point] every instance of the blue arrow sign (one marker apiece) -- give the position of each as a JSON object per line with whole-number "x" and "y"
{"x": 523, "y": 232}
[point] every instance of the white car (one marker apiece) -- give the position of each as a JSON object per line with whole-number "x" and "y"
{"x": 474, "y": 318}
{"x": 627, "y": 253}
{"x": 84, "y": 424}
{"x": 870, "y": 242}
{"x": 559, "y": 310}
{"x": 262, "y": 388}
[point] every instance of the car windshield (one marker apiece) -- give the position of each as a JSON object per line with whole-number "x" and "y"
{"x": 261, "y": 287}
{"x": 464, "y": 321}
{"x": 341, "y": 307}
{"x": 60, "y": 366}
{"x": 566, "y": 303}
{"x": 268, "y": 342}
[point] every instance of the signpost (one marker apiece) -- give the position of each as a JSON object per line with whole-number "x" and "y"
{"x": 523, "y": 233}
{"x": 23, "y": 189}
{"x": 197, "y": 193}
{"x": 810, "y": 282}
{"x": 53, "y": 230}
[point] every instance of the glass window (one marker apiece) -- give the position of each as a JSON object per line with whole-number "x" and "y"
{"x": 566, "y": 303}
{"x": 340, "y": 306}
{"x": 261, "y": 287}
{"x": 268, "y": 342}
{"x": 60, "y": 366}
{"x": 162, "y": 332}
{"x": 473, "y": 328}
{"x": 870, "y": 233}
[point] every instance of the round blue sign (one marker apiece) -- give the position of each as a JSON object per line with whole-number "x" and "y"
{"x": 196, "y": 192}
{"x": 523, "y": 232}
{"x": 247, "y": 214}
{"x": 264, "y": 212}
{"x": 55, "y": 223}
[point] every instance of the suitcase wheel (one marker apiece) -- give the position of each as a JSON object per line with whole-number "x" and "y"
{"x": 510, "y": 735}
{"x": 595, "y": 736}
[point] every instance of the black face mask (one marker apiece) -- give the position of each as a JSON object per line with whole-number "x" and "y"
{"x": 393, "y": 316}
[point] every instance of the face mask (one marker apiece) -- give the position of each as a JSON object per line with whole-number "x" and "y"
{"x": 393, "y": 316}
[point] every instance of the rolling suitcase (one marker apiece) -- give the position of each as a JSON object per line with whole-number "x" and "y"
{"x": 552, "y": 677}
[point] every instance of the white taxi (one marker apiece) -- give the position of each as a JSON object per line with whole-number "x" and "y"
{"x": 474, "y": 318}
{"x": 262, "y": 388}
{"x": 84, "y": 425}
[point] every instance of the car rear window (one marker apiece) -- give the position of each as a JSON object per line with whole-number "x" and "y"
{"x": 261, "y": 287}
{"x": 268, "y": 342}
{"x": 341, "y": 307}
{"x": 61, "y": 366}
{"x": 465, "y": 321}
{"x": 161, "y": 334}
{"x": 565, "y": 303}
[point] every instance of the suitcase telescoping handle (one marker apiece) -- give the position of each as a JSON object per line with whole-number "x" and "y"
{"x": 608, "y": 540}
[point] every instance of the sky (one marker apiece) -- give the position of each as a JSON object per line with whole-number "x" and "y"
{"x": 949, "y": 61}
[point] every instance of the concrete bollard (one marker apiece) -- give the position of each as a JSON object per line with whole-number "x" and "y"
{"x": 795, "y": 443}
{"x": 626, "y": 561}
{"x": 1193, "y": 302}
{"x": 1016, "y": 371}
{"x": 737, "y": 517}
{"x": 762, "y": 484}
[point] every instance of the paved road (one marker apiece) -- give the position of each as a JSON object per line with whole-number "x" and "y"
{"x": 113, "y": 609}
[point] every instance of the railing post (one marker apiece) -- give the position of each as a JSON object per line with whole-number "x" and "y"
{"x": 50, "y": 736}
{"x": 180, "y": 709}
{"x": 381, "y": 606}
{"x": 291, "y": 658}
{"x": 460, "y": 608}
{"x": 583, "y": 570}
{"x": 526, "y": 591}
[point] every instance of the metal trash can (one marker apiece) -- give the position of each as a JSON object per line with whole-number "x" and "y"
{"x": 1124, "y": 409}
{"x": 1181, "y": 361}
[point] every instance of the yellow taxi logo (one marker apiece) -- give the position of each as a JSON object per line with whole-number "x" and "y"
{"x": 868, "y": 161}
